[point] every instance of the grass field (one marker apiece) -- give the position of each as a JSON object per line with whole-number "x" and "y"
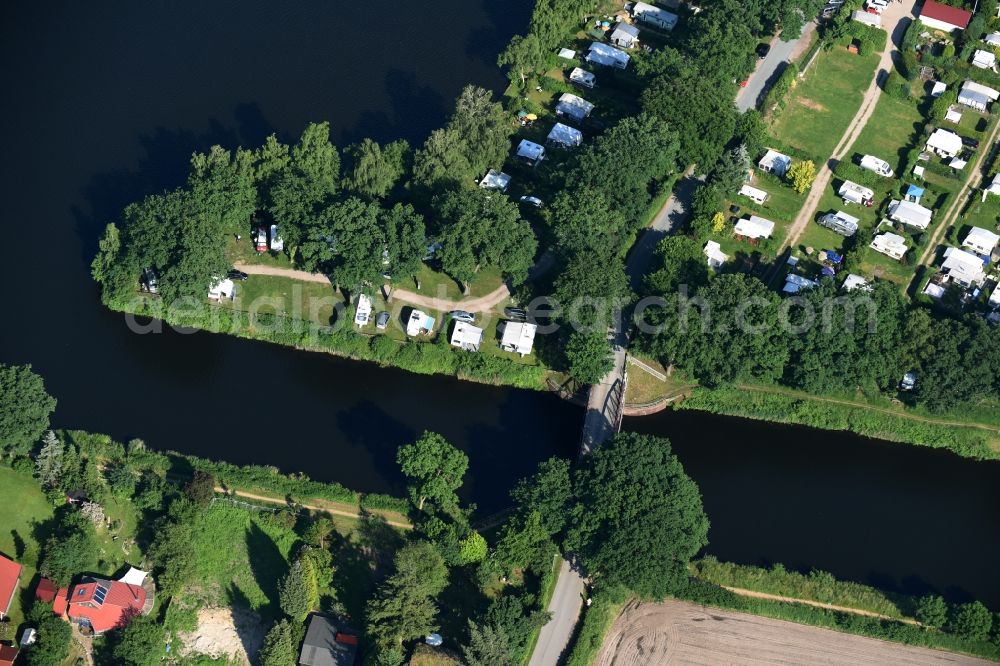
{"x": 781, "y": 207}
{"x": 822, "y": 104}
{"x": 890, "y": 131}
{"x": 22, "y": 504}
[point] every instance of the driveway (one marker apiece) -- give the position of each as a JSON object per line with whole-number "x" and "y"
{"x": 770, "y": 68}
{"x": 674, "y": 213}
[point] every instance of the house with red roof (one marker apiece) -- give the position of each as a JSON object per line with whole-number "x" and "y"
{"x": 944, "y": 17}
{"x": 46, "y": 591}
{"x": 10, "y": 579}
{"x": 7, "y": 655}
{"x": 100, "y": 605}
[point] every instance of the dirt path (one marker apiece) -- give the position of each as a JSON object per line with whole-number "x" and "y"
{"x": 329, "y": 508}
{"x": 896, "y": 13}
{"x": 968, "y": 188}
{"x": 478, "y": 304}
{"x": 679, "y": 632}
{"x": 817, "y": 604}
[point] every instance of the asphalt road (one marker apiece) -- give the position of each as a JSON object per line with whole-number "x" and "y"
{"x": 674, "y": 213}
{"x": 768, "y": 70}
{"x": 567, "y": 599}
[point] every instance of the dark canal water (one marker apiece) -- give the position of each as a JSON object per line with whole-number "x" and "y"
{"x": 106, "y": 102}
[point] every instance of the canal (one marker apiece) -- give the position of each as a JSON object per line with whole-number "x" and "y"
{"x": 107, "y": 101}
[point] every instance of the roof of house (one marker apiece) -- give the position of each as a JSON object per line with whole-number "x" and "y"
{"x": 714, "y": 252}
{"x": 914, "y": 191}
{"x": 569, "y": 54}
{"x": 972, "y": 98}
{"x": 495, "y": 180}
{"x": 980, "y": 237}
{"x": 753, "y": 192}
{"x": 61, "y": 601}
{"x": 7, "y": 655}
{"x": 946, "y": 140}
{"x": 962, "y": 263}
{"x": 625, "y": 29}
{"x": 993, "y": 39}
{"x": 850, "y": 186}
{"x": 466, "y": 335}
{"x": 981, "y": 89}
{"x": 983, "y": 59}
{"x": 946, "y": 14}
{"x": 854, "y": 281}
{"x": 938, "y": 88}
{"x": 328, "y": 644}
{"x": 582, "y": 75}
{"x": 910, "y": 213}
{"x": 640, "y": 8}
{"x": 419, "y": 321}
{"x": 46, "y": 590}
{"x": 889, "y": 239}
{"x": 604, "y": 54}
{"x": 773, "y": 157}
{"x": 10, "y": 575}
{"x": 105, "y": 604}
{"x": 795, "y": 283}
{"x": 565, "y": 135}
{"x": 574, "y": 105}
{"x": 530, "y": 149}
{"x": 755, "y": 227}
{"x": 519, "y": 336}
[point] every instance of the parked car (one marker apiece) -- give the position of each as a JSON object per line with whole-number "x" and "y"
{"x": 277, "y": 242}
{"x": 261, "y": 241}
{"x": 970, "y": 142}
{"x": 237, "y": 275}
{"x": 148, "y": 281}
{"x": 532, "y": 201}
{"x": 382, "y": 320}
{"x": 763, "y": 49}
{"x": 517, "y": 314}
{"x": 462, "y": 315}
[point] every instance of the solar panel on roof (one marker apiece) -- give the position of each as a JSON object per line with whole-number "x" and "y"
{"x": 100, "y": 593}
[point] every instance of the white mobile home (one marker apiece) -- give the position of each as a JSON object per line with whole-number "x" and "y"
{"x": 984, "y": 59}
{"x": 608, "y": 56}
{"x": 565, "y": 136}
{"x": 654, "y": 16}
{"x": 774, "y": 162}
{"x": 573, "y": 106}
{"x": 716, "y": 257}
{"x": 854, "y": 281}
{"x": 840, "y": 222}
{"x": 754, "y": 194}
{"x": 981, "y": 241}
{"x": 624, "y": 36}
{"x": 363, "y": 313}
{"x": 851, "y": 192}
{"x": 879, "y": 166}
{"x": 419, "y": 323}
{"x": 963, "y": 267}
{"x": 223, "y": 289}
{"x": 495, "y": 180}
{"x": 583, "y": 78}
{"x": 912, "y": 214}
{"x": 944, "y": 143}
{"x": 754, "y": 228}
{"x": 976, "y": 95}
{"x": 466, "y": 336}
{"x": 518, "y": 337}
{"x": 530, "y": 152}
{"x": 891, "y": 245}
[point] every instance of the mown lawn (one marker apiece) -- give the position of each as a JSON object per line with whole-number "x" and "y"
{"x": 781, "y": 207}
{"x": 308, "y": 301}
{"x": 985, "y": 214}
{"x": 22, "y": 505}
{"x": 890, "y": 131}
{"x": 822, "y": 104}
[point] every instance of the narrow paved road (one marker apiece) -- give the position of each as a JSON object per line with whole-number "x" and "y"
{"x": 567, "y": 599}
{"x": 895, "y": 19}
{"x": 770, "y": 68}
{"x": 673, "y": 213}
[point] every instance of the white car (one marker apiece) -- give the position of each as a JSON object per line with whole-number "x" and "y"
{"x": 364, "y": 312}
{"x": 277, "y": 242}
{"x": 532, "y": 201}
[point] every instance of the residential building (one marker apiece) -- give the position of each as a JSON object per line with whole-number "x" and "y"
{"x": 530, "y": 152}
{"x": 222, "y": 290}
{"x": 101, "y": 605}
{"x": 914, "y": 193}
{"x": 851, "y": 192}
{"x": 607, "y": 56}
{"x": 754, "y": 194}
{"x": 10, "y": 579}
{"x": 495, "y": 180}
{"x": 466, "y": 336}
{"x": 963, "y": 267}
{"x": 716, "y": 257}
{"x": 840, "y": 222}
{"x": 419, "y": 323}
{"x": 328, "y": 642}
{"x": 8, "y": 655}
{"x": 624, "y": 35}
{"x": 754, "y": 228}
{"x": 518, "y": 337}
{"x": 938, "y": 88}
{"x": 564, "y": 136}
{"x": 889, "y": 244}
{"x": 582, "y": 77}
{"x": 981, "y": 241}
{"x": 573, "y": 107}
{"x": 940, "y": 16}
{"x": 984, "y": 59}
{"x": 774, "y": 162}
{"x": 944, "y": 143}
{"x": 654, "y": 16}
{"x": 977, "y": 96}
{"x": 910, "y": 213}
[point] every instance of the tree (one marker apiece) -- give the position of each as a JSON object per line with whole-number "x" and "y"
{"x": 404, "y": 606}
{"x": 48, "y": 462}
{"x": 592, "y": 299}
{"x": 751, "y": 132}
{"x": 201, "y": 488}
{"x": 586, "y": 222}
{"x": 802, "y": 174}
{"x": 731, "y": 170}
{"x": 24, "y": 408}
{"x": 72, "y": 548}
{"x": 515, "y": 616}
{"x": 223, "y": 189}
{"x": 406, "y": 239}
{"x": 308, "y": 181}
{"x": 434, "y": 469}
{"x": 53, "y": 638}
{"x": 589, "y": 355}
{"x": 269, "y": 162}
{"x": 347, "y": 242}
{"x": 523, "y": 56}
{"x": 376, "y": 170}
{"x": 441, "y": 163}
{"x": 638, "y": 518}
{"x": 972, "y": 621}
{"x": 140, "y": 643}
{"x": 297, "y": 591}
{"x": 525, "y": 543}
{"x": 932, "y": 611}
{"x": 548, "y": 492}
{"x": 278, "y": 648}
{"x": 488, "y": 646}
{"x": 484, "y": 128}
{"x": 681, "y": 262}
{"x": 473, "y": 548}
{"x": 108, "y": 267}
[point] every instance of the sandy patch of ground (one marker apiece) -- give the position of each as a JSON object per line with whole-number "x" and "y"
{"x": 809, "y": 104}
{"x": 236, "y": 633}
{"x": 678, "y": 632}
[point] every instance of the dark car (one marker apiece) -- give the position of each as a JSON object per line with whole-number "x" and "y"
{"x": 969, "y": 142}
{"x": 382, "y": 320}
{"x": 517, "y": 314}
{"x": 762, "y": 50}
{"x": 234, "y": 274}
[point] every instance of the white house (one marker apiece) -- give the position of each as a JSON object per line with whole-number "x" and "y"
{"x": 889, "y": 244}
{"x": 774, "y": 162}
{"x": 953, "y": 115}
{"x": 754, "y": 194}
{"x": 582, "y": 77}
{"x": 654, "y": 16}
{"x": 419, "y": 323}
{"x": 981, "y": 241}
{"x": 976, "y": 95}
{"x": 518, "y": 337}
{"x": 222, "y": 289}
{"x": 624, "y": 35}
{"x": 573, "y": 106}
{"x": 495, "y": 180}
{"x": 466, "y": 336}
{"x": 912, "y": 214}
{"x": 608, "y": 56}
{"x": 938, "y": 88}
{"x": 568, "y": 54}
{"x": 854, "y": 281}
{"x": 944, "y": 143}
{"x": 565, "y": 136}
{"x": 879, "y": 166}
{"x": 754, "y": 228}
{"x": 940, "y": 16}
{"x": 963, "y": 267}
{"x": 984, "y": 59}
{"x": 363, "y": 313}
{"x": 530, "y": 152}
{"x": 993, "y": 39}
{"x": 851, "y": 192}
{"x": 716, "y": 257}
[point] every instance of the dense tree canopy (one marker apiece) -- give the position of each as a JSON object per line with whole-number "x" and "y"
{"x": 24, "y": 408}
{"x": 404, "y": 607}
{"x": 434, "y": 468}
